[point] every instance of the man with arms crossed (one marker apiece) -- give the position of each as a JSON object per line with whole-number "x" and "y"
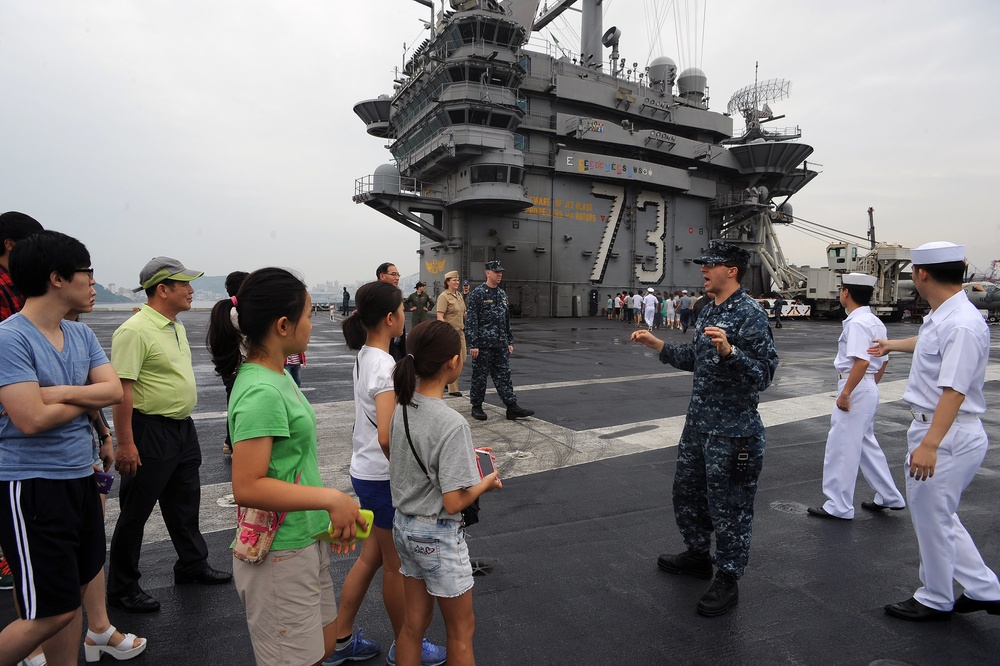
{"x": 946, "y": 440}
{"x": 851, "y": 442}
{"x": 158, "y": 451}
{"x": 53, "y": 372}
{"x": 721, "y": 451}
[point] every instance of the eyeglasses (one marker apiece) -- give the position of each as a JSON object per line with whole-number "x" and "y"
{"x": 711, "y": 264}
{"x": 88, "y": 271}
{"x": 393, "y": 274}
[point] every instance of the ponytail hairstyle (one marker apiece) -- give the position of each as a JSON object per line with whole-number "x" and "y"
{"x": 374, "y": 301}
{"x": 430, "y": 345}
{"x": 245, "y": 319}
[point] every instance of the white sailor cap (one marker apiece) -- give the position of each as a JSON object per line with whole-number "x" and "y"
{"x": 937, "y": 252}
{"x": 858, "y": 279}
{"x": 649, "y": 289}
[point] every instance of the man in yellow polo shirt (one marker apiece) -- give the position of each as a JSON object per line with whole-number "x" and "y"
{"x": 158, "y": 452}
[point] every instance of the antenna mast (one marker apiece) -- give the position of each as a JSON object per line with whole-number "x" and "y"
{"x": 871, "y": 227}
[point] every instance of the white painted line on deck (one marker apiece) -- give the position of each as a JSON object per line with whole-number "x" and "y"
{"x": 522, "y": 447}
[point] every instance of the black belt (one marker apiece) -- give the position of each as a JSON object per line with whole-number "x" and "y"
{"x": 158, "y": 417}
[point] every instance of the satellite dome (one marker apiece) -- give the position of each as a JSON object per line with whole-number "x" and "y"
{"x": 663, "y": 70}
{"x": 386, "y": 179}
{"x": 692, "y": 83}
{"x": 785, "y": 212}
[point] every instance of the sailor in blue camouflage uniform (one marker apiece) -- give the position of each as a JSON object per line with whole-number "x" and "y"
{"x": 491, "y": 342}
{"x": 721, "y": 450}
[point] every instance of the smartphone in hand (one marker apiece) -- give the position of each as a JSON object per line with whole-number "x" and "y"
{"x": 485, "y": 461}
{"x": 104, "y": 481}
{"x": 327, "y": 535}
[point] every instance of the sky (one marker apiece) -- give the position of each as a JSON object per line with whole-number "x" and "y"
{"x": 221, "y": 132}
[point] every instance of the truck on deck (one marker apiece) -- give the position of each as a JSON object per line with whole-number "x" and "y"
{"x": 893, "y": 288}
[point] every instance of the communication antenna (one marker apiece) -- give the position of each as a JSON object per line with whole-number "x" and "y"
{"x": 871, "y": 227}
{"x": 610, "y": 39}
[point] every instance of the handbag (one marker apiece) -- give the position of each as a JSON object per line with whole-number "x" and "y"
{"x": 255, "y": 530}
{"x": 470, "y": 514}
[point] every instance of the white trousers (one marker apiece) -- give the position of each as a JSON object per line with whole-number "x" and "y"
{"x": 947, "y": 552}
{"x": 851, "y": 444}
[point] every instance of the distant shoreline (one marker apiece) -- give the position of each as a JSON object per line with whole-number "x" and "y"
{"x": 126, "y": 307}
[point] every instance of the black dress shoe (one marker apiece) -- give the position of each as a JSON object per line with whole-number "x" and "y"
{"x": 688, "y": 563}
{"x": 966, "y": 605}
{"x": 207, "y": 576}
{"x": 137, "y": 602}
{"x": 820, "y": 512}
{"x": 914, "y": 611}
{"x": 457, "y": 394}
{"x": 722, "y": 595}
{"x": 478, "y": 413}
{"x": 875, "y": 506}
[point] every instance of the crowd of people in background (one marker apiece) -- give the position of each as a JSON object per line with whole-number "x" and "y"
{"x": 653, "y": 310}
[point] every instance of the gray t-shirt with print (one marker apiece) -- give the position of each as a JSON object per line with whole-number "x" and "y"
{"x": 443, "y": 441}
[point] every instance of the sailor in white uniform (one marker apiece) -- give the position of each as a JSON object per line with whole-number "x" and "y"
{"x": 851, "y": 442}
{"x": 946, "y": 440}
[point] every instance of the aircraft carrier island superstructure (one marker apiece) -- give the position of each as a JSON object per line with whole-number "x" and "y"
{"x": 583, "y": 174}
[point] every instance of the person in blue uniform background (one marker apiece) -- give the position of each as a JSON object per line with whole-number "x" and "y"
{"x": 491, "y": 342}
{"x": 721, "y": 450}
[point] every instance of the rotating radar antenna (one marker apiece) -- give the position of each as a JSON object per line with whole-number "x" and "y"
{"x": 751, "y": 102}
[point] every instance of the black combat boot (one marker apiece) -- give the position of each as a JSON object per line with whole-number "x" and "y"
{"x": 689, "y": 563}
{"x": 478, "y": 413}
{"x": 723, "y": 594}
{"x": 515, "y": 412}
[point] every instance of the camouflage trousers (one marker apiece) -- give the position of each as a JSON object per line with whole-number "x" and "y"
{"x": 493, "y": 362}
{"x": 712, "y": 495}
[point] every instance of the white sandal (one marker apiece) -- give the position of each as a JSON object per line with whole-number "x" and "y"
{"x": 37, "y": 660}
{"x": 124, "y": 650}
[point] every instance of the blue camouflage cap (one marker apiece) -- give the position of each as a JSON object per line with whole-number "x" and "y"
{"x": 494, "y": 266}
{"x": 721, "y": 252}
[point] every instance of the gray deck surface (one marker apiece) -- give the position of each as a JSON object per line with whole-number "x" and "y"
{"x": 586, "y": 509}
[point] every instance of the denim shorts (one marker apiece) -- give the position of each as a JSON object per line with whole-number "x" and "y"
{"x": 435, "y": 552}
{"x": 377, "y": 498}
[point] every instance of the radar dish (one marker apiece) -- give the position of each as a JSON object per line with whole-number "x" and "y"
{"x": 747, "y": 101}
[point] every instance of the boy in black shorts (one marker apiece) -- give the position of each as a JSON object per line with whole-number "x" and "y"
{"x": 54, "y": 371}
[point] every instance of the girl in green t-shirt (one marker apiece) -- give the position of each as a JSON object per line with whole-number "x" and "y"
{"x": 275, "y": 469}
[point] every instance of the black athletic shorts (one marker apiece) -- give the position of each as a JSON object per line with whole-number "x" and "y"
{"x": 52, "y": 532}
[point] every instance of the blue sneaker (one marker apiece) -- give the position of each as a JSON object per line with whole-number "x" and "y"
{"x": 360, "y": 649}
{"x": 430, "y": 655}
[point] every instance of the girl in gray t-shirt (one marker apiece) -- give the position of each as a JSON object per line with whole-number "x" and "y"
{"x": 433, "y": 476}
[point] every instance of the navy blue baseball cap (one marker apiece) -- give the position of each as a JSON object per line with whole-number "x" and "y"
{"x": 721, "y": 252}
{"x": 494, "y": 266}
